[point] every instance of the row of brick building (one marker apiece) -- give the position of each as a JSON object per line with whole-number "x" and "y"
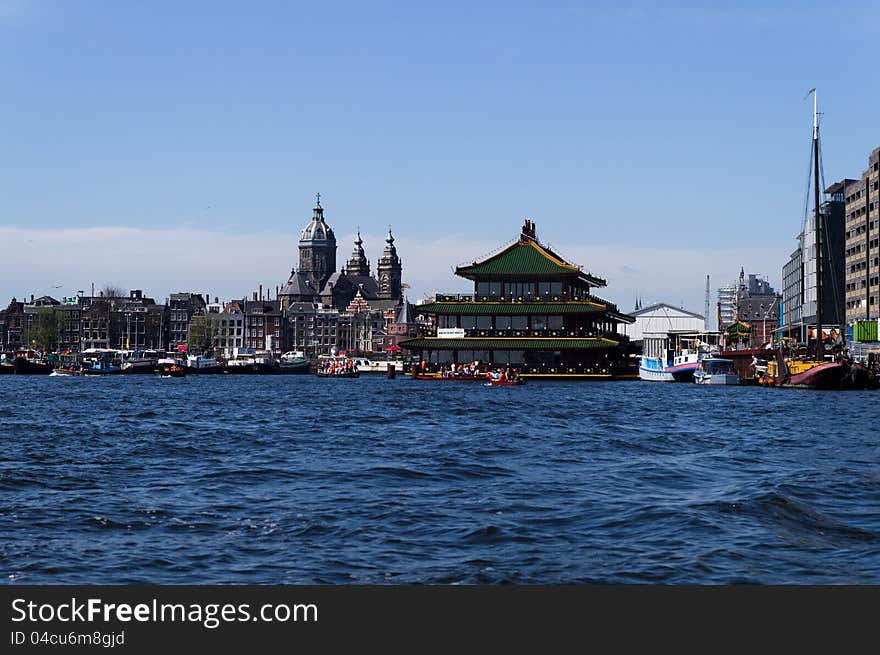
{"x": 319, "y": 309}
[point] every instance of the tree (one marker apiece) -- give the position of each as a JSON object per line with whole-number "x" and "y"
{"x": 113, "y": 291}
{"x": 202, "y": 333}
{"x": 47, "y": 327}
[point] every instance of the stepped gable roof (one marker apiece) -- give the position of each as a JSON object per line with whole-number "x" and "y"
{"x": 383, "y": 305}
{"x": 527, "y": 256}
{"x": 504, "y": 343}
{"x": 298, "y": 285}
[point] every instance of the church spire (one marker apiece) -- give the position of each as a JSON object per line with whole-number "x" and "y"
{"x": 358, "y": 265}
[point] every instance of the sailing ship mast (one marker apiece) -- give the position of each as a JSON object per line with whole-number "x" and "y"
{"x": 819, "y": 343}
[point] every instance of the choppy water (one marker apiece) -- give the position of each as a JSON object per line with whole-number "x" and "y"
{"x": 295, "y": 479}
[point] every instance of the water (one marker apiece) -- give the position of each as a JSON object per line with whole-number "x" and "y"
{"x": 295, "y": 479}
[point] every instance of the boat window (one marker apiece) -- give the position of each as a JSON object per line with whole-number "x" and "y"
{"x": 484, "y": 322}
{"x": 519, "y": 322}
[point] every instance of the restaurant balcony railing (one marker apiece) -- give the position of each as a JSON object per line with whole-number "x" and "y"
{"x": 546, "y": 333}
{"x": 557, "y": 297}
{"x": 609, "y": 367}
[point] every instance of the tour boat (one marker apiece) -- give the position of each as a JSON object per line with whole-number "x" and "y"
{"x": 715, "y": 370}
{"x": 203, "y": 365}
{"x": 101, "y": 367}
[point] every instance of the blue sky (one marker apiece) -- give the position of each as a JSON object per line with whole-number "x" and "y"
{"x": 178, "y": 146}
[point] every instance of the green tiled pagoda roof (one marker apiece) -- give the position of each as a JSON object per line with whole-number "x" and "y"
{"x": 505, "y": 343}
{"x": 510, "y": 308}
{"x": 525, "y": 257}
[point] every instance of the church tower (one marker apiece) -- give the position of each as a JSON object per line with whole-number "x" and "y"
{"x": 389, "y": 271}
{"x": 357, "y": 265}
{"x": 317, "y": 249}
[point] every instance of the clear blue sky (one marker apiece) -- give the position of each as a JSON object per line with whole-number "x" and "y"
{"x": 660, "y": 141}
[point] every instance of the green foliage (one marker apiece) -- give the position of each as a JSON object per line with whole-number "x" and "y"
{"x": 45, "y": 333}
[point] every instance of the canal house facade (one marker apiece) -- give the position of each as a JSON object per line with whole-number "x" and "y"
{"x": 530, "y": 310}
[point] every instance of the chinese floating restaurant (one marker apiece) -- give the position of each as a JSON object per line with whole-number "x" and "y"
{"x": 530, "y": 310}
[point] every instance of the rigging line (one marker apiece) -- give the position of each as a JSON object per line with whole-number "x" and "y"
{"x": 807, "y": 192}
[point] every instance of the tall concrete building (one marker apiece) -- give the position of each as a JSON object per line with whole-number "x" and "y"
{"x": 862, "y": 243}
{"x": 799, "y": 273}
{"x": 726, "y": 305}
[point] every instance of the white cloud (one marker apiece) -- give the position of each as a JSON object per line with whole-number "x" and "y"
{"x": 233, "y": 265}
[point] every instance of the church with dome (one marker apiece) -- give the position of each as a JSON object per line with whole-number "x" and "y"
{"x": 358, "y": 302}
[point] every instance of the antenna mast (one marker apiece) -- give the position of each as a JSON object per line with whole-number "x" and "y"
{"x": 820, "y": 355}
{"x": 706, "y": 313}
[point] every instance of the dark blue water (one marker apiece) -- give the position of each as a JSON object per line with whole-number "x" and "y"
{"x": 295, "y": 479}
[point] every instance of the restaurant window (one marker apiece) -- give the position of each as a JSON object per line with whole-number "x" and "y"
{"x": 519, "y": 322}
{"x": 543, "y": 288}
{"x": 554, "y": 322}
{"x": 556, "y": 288}
{"x": 481, "y": 356}
{"x": 516, "y": 356}
{"x": 444, "y": 356}
{"x": 494, "y": 288}
{"x": 539, "y": 322}
{"x": 503, "y": 322}
{"x": 484, "y": 322}
{"x": 482, "y": 288}
{"x": 501, "y": 356}
{"x": 468, "y": 322}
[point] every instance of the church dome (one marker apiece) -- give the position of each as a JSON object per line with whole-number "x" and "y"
{"x": 317, "y": 229}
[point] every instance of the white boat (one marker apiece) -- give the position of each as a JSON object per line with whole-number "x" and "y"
{"x": 377, "y": 365}
{"x": 202, "y": 364}
{"x": 714, "y": 370}
{"x": 674, "y": 357}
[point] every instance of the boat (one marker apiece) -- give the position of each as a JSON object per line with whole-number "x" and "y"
{"x": 174, "y": 370}
{"x": 337, "y": 367}
{"x": 815, "y": 369}
{"x": 506, "y": 383}
{"x": 716, "y": 370}
{"x": 203, "y": 365}
{"x": 65, "y": 372}
{"x": 479, "y": 377}
{"x": 674, "y": 357}
{"x": 293, "y": 363}
{"x": 241, "y": 362}
{"x": 264, "y": 362}
{"x": 379, "y": 365}
{"x": 101, "y": 366}
{"x": 140, "y": 361}
{"x": 30, "y": 363}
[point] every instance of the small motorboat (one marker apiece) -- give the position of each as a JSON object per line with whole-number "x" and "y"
{"x": 506, "y": 383}
{"x": 338, "y": 374}
{"x": 64, "y": 372}
{"x": 715, "y": 370}
{"x": 101, "y": 367}
{"x": 172, "y": 371}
